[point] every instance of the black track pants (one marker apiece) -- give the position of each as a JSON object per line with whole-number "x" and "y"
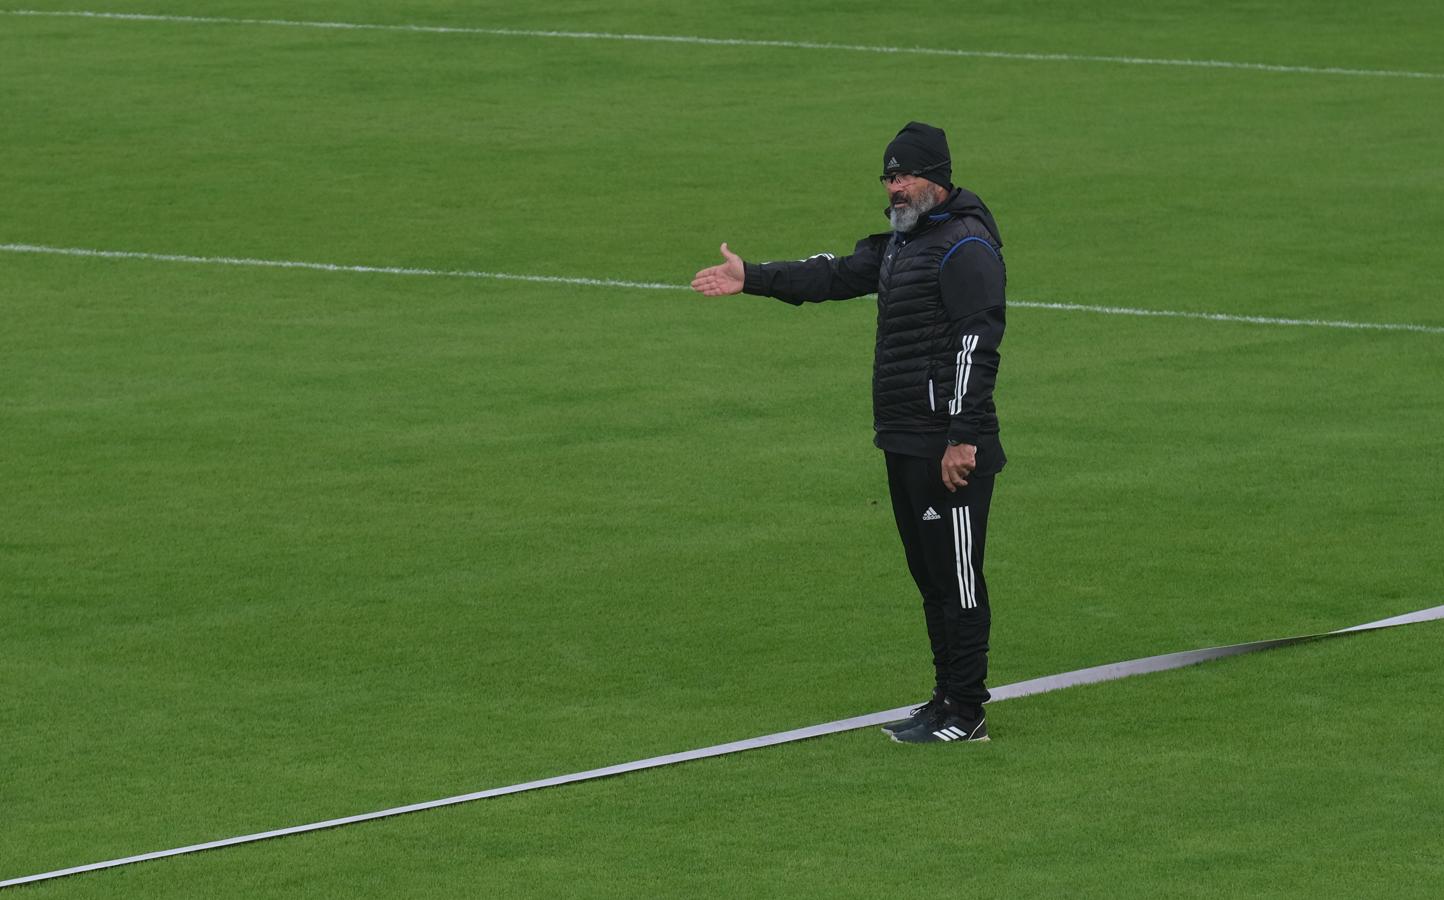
{"x": 943, "y": 535}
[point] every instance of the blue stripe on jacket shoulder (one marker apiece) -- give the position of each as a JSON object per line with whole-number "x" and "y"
{"x": 971, "y": 237}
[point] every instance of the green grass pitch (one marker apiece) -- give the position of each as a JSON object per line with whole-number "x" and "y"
{"x": 278, "y": 546}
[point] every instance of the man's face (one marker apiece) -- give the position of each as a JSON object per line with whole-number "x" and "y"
{"x": 909, "y": 197}
{"x": 905, "y": 189}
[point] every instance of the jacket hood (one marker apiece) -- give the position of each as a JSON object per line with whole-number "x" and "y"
{"x": 963, "y": 202}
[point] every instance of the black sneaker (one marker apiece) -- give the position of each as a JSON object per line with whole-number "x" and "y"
{"x": 919, "y": 715}
{"x": 945, "y": 724}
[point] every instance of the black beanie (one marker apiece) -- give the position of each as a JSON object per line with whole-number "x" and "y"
{"x": 922, "y": 149}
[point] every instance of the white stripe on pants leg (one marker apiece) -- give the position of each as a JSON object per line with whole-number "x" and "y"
{"x": 968, "y": 556}
{"x": 963, "y": 555}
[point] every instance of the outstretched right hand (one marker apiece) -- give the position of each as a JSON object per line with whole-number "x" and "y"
{"x": 727, "y": 278}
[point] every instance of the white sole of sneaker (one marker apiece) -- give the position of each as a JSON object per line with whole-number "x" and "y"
{"x": 982, "y": 740}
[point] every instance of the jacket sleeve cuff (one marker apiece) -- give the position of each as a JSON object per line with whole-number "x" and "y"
{"x": 760, "y": 281}
{"x": 960, "y": 433}
{"x": 753, "y": 280}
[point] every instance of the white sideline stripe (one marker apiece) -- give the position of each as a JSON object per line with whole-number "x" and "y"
{"x": 735, "y": 42}
{"x": 1230, "y": 317}
{"x": 1093, "y": 675}
{"x": 333, "y": 267}
{"x": 666, "y": 286}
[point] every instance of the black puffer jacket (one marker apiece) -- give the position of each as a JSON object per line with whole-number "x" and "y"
{"x": 940, "y": 302}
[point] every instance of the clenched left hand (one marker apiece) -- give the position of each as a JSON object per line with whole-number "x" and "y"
{"x": 958, "y": 462}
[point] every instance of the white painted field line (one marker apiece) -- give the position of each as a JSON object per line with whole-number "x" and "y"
{"x": 1092, "y": 675}
{"x": 735, "y": 42}
{"x": 1230, "y": 317}
{"x": 666, "y": 286}
{"x": 334, "y": 267}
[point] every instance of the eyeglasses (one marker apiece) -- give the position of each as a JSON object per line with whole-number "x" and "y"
{"x": 895, "y": 177}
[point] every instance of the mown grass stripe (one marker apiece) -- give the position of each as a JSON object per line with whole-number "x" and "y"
{"x": 1092, "y": 675}
{"x": 667, "y": 286}
{"x": 740, "y": 42}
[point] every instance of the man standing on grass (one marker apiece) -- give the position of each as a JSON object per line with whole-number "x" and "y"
{"x": 939, "y": 279}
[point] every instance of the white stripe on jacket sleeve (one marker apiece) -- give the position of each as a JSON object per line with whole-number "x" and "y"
{"x": 965, "y": 367}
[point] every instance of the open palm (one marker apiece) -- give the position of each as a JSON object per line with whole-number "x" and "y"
{"x": 726, "y": 278}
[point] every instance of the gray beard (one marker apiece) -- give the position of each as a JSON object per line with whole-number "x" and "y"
{"x": 904, "y": 219}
